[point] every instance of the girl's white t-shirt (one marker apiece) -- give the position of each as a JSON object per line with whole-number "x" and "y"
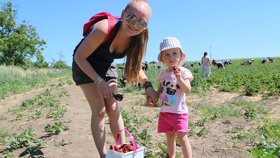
{"x": 172, "y": 99}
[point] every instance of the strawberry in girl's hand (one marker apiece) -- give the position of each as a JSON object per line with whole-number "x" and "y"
{"x": 177, "y": 71}
{"x": 176, "y": 68}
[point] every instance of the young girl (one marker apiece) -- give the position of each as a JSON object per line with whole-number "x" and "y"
{"x": 174, "y": 82}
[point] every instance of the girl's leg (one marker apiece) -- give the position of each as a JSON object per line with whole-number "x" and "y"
{"x": 185, "y": 144}
{"x": 97, "y": 105}
{"x": 115, "y": 118}
{"x": 171, "y": 144}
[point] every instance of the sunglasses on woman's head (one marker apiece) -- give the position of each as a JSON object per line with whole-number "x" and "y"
{"x": 132, "y": 19}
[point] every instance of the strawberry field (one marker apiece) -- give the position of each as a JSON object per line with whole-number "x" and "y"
{"x": 234, "y": 113}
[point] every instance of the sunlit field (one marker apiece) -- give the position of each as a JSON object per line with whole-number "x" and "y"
{"x": 238, "y": 106}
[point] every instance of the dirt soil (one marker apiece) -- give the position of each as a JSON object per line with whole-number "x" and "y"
{"x": 80, "y": 144}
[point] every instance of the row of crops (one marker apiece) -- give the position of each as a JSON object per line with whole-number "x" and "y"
{"x": 254, "y": 79}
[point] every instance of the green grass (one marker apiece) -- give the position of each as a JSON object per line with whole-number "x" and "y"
{"x": 268, "y": 145}
{"x": 44, "y": 104}
{"x": 15, "y": 80}
{"x": 216, "y": 111}
{"x": 4, "y": 134}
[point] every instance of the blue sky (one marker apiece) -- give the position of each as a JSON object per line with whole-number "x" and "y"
{"x": 227, "y": 29}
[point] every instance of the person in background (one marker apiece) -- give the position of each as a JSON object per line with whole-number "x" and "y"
{"x": 206, "y": 65}
{"x": 174, "y": 82}
{"x": 93, "y": 69}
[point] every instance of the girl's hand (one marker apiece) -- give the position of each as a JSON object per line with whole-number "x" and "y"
{"x": 177, "y": 71}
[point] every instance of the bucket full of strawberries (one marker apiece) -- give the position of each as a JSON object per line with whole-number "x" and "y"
{"x": 129, "y": 150}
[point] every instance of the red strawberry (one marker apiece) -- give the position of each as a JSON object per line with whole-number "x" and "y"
{"x": 174, "y": 68}
{"x": 126, "y": 150}
{"x": 130, "y": 147}
{"x": 115, "y": 148}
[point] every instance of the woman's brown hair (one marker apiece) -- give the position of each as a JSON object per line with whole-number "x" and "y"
{"x": 135, "y": 53}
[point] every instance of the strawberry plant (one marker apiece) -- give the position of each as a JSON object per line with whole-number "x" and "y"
{"x": 56, "y": 128}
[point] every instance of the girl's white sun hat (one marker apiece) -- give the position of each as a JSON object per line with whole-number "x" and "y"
{"x": 169, "y": 43}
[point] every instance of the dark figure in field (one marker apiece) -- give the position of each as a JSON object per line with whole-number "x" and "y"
{"x": 266, "y": 60}
{"x": 247, "y": 62}
{"x": 145, "y": 66}
{"x": 227, "y": 62}
{"x": 193, "y": 64}
{"x": 270, "y": 59}
{"x": 214, "y": 62}
{"x": 220, "y": 65}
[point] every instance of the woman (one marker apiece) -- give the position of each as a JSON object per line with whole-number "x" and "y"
{"x": 93, "y": 72}
{"x": 206, "y": 68}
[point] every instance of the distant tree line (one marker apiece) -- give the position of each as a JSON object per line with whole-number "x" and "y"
{"x": 20, "y": 44}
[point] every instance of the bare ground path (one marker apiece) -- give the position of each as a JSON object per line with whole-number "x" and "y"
{"x": 78, "y": 138}
{"x": 79, "y": 134}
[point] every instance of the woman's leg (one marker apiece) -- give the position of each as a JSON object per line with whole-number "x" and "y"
{"x": 185, "y": 144}
{"x": 97, "y": 105}
{"x": 112, "y": 108}
{"x": 203, "y": 73}
{"x": 171, "y": 144}
{"x": 115, "y": 118}
{"x": 209, "y": 70}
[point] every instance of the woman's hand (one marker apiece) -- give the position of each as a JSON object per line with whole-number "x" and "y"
{"x": 151, "y": 96}
{"x": 105, "y": 89}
